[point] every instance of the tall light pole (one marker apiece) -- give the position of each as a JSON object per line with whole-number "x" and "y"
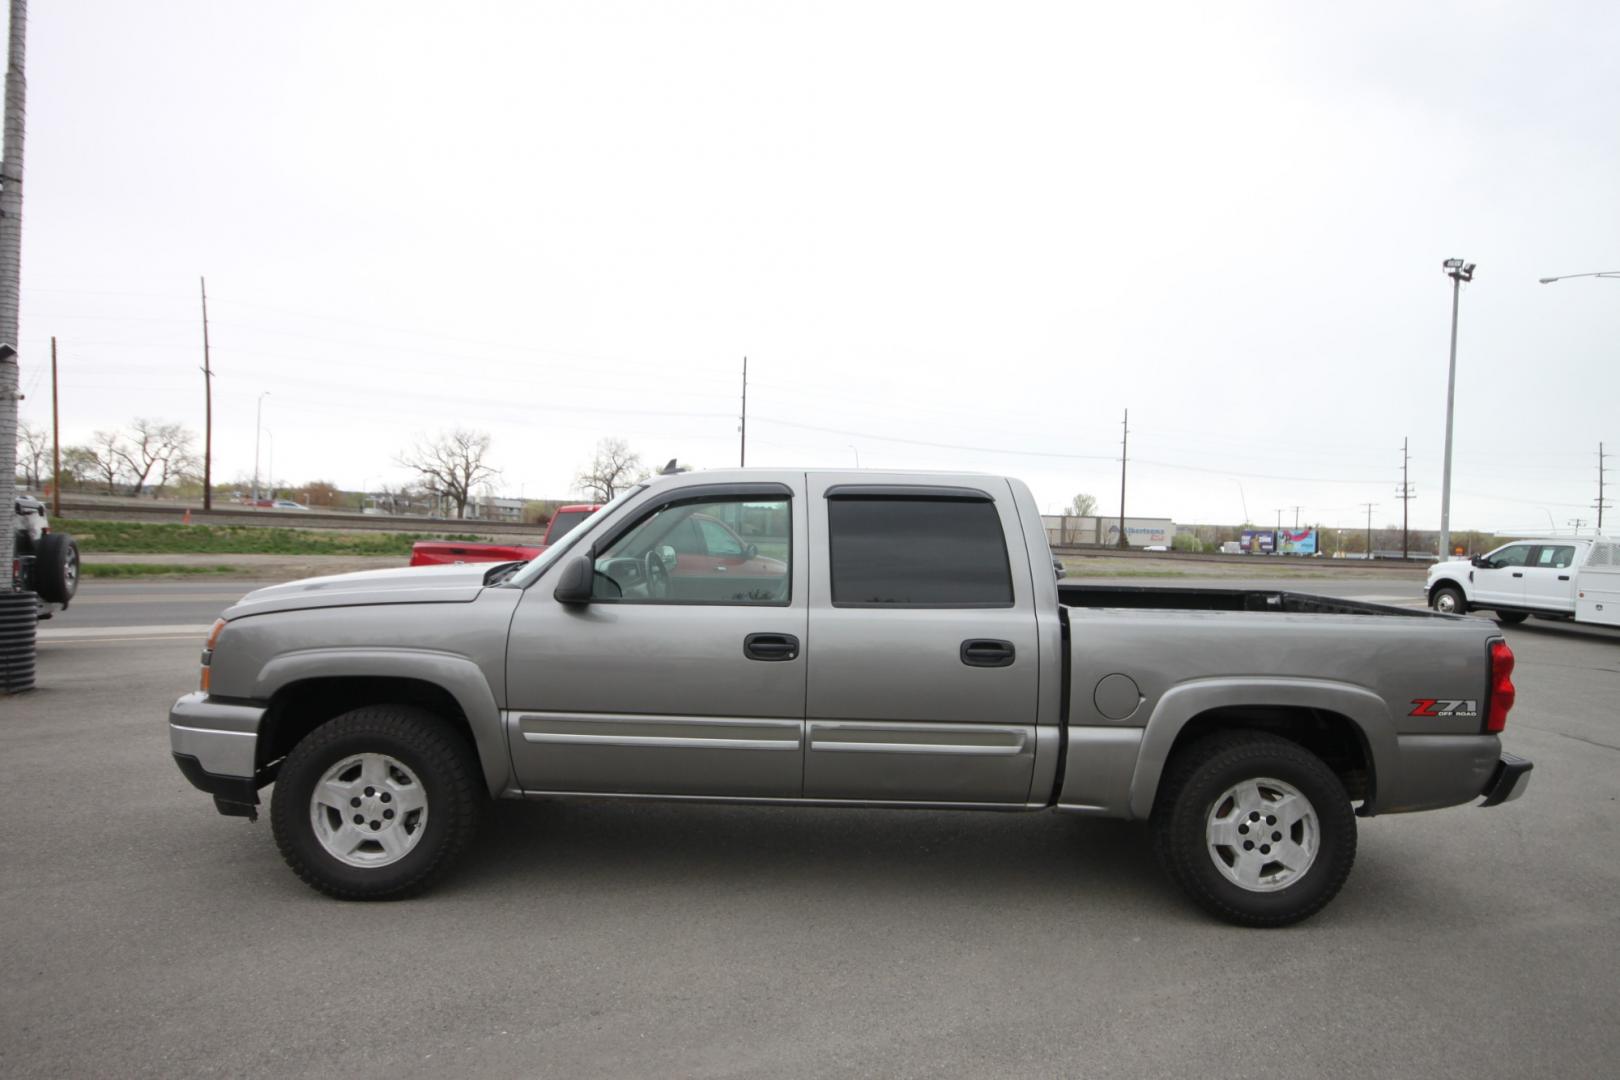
{"x": 1565, "y": 277}
{"x": 1458, "y": 271}
{"x": 258, "y": 433}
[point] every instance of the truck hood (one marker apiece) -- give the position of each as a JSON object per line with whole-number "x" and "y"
{"x": 406, "y": 585}
{"x": 1452, "y": 568}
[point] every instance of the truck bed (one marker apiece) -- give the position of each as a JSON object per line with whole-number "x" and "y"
{"x": 1171, "y": 598}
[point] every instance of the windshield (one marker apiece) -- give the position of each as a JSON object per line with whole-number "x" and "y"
{"x": 565, "y": 521}
{"x": 587, "y": 524}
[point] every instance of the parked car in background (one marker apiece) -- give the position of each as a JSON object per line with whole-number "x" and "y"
{"x": 449, "y": 552}
{"x": 287, "y": 504}
{"x": 1575, "y": 578}
{"x": 46, "y": 562}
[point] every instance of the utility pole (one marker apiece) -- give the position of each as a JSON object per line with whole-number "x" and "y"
{"x": 1600, "y": 503}
{"x": 1578, "y": 524}
{"x": 56, "y": 441}
{"x": 1124, "y": 456}
{"x": 11, "y": 199}
{"x": 1369, "y": 507}
{"x": 1405, "y": 493}
{"x": 208, "y": 407}
{"x": 742, "y": 456}
{"x": 1276, "y": 534}
{"x": 1458, "y": 271}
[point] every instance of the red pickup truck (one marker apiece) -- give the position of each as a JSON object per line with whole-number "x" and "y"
{"x": 442, "y": 552}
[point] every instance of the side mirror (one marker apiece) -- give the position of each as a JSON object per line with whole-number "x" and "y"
{"x": 574, "y": 584}
{"x": 1059, "y": 569}
{"x": 1479, "y": 561}
{"x": 751, "y": 551}
{"x": 666, "y": 555}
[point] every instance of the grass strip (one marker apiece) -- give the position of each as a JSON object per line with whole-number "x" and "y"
{"x": 146, "y": 569}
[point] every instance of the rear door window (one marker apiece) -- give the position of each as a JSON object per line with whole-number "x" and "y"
{"x": 917, "y": 552}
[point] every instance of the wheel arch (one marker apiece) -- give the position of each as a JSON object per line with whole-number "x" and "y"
{"x": 304, "y": 690}
{"x": 1441, "y": 583}
{"x": 1347, "y": 726}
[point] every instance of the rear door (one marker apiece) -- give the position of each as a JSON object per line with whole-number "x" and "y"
{"x": 925, "y": 678}
{"x": 1502, "y": 580}
{"x": 666, "y": 684}
{"x": 1549, "y": 578}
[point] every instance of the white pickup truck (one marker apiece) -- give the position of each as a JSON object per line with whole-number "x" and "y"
{"x": 1552, "y": 578}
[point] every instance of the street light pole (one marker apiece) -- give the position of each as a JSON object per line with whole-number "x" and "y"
{"x": 1459, "y": 272}
{"x": 258, "y": 433}
{"x": 1565, "y": 277}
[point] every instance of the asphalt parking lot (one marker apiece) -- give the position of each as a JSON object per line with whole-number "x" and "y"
{"x": 144, "y": 935}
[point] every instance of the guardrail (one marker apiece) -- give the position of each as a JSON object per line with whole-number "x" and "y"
{"x": 96, "y": 510}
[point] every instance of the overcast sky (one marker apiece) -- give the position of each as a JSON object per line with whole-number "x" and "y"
{"x": 946, "y": 236}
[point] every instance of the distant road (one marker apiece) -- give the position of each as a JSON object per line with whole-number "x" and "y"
{"x": 130, "y": 510}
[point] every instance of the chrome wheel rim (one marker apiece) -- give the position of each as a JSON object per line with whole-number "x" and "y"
{"x": 368, "y": 810}
{"x": 1446, "y": 603}
{"x": 70, "y": 571}
{"x": 1262, "y": 835}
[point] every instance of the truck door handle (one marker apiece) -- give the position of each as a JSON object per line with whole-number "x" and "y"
{"x": 771, "y": 647}
{"x": 1517, "y": 573}
{"x": 988, "y": 652}
{"x": 1563, "y": 577}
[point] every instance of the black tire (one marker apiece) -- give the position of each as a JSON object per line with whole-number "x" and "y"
{"x": 1439, "y": 598}
{"x": 1205, "y": 771}
{"x": 440, "y": 758}
{"x": 1512, "y": 617}
{"x": 56, "y": 568}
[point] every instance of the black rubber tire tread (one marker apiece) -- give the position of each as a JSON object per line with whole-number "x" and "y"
{"x": 50, "y": 568}
{"x": 1462, "y": 601}
{"x": 1199, "y": 773}
{"x": 439, "y": 755}
{"x": 1512, "y": 617}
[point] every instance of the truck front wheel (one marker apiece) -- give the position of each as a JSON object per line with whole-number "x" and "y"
{"x": 1255, "y": 828}
{"x": 1449, "y": 600}
{"x": 377, "y": 804}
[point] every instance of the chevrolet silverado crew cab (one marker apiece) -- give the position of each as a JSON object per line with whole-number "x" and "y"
{"x": 1575, "y": 578}
{"x": 879, "y": 640}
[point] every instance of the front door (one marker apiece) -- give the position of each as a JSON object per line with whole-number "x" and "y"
{"x": 925, "y": 677}
{"x": 674, "y": 680}
{"x": 1501, "y": 580}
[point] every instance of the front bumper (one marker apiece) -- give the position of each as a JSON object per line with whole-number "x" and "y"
{"x": 215, "y": 746}
{"x": 1509, "y": 781}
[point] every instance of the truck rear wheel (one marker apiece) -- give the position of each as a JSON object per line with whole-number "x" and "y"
{"x": 1512, "y": 617}
{"x": 1256, "y": 829}
{"x": 377, "y": 804}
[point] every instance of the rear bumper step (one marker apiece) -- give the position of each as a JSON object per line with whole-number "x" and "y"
{"x": 1508, "y": 782}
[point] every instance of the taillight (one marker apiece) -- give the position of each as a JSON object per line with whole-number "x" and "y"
{"x": 1502, "y": 692}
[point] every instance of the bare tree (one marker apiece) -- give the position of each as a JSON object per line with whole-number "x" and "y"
{"x": 1082, "y": 505}
{"x": 452, "y": 465}
{"x": 79, "y": 466}
{"x": 152, "y": 445}
{"x": 102, "y": 458}
{"x": 613, "y": 469}
{"x": 33, "y": 447}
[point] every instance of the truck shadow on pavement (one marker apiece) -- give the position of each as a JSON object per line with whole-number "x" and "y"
{"x": 608, "y": 845}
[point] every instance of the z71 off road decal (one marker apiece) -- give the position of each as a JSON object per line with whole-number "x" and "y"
{"x": 1443, "y": 707}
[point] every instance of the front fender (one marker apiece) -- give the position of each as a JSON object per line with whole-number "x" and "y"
{"x": 1179, "y": 705}
{"x": 456, "y": 675}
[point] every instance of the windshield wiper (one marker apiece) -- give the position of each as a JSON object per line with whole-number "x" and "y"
{"x": 498, "y": 573}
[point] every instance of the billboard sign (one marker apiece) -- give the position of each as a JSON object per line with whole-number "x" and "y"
{"x": 1258, "y": 541}
{"x": 1297, "y": 541}
{"x": 1141, "y": 532}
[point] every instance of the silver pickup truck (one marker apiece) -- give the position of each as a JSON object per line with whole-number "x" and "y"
{"x": 839, "y": 639}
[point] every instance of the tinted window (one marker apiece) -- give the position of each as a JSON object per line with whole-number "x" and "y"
{"x": 918, "y": 552}
{"x": 1556, "y": 557}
